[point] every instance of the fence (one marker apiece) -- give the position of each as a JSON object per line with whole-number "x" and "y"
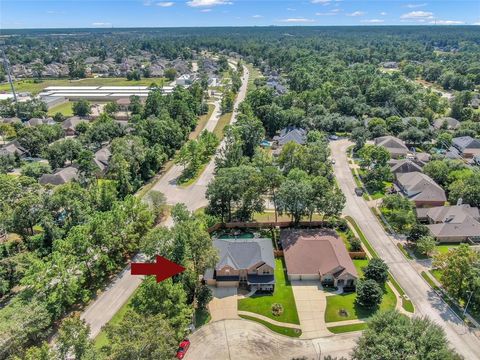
{"x": 265, "y": 225}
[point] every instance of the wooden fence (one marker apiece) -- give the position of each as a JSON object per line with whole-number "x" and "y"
{"x": 265, "y": 225}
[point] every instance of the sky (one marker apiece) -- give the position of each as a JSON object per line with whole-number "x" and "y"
{"x": 15, "y": 14}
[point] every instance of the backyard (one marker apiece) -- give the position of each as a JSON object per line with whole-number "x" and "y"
{"x": 283, "y": 294}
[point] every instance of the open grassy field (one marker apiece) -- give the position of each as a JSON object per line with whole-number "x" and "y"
{"x": 283, "y": 294}
{"x": 65, "y": 109}
{"x": 29, "y": 85}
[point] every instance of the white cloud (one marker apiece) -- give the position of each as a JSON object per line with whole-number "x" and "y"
{"x": 413, "y": 6}
{"x": 323, "y": 2}
{"x": 383, "y": 13}
{"x": 476, "y": 23}
{"x": 201, "y": 3}
{"x": 205, "y": 10}
{"x": 291, "y": 9}
{"x": 447, "y": 22}
{"x": 257, "y": 16}
{"x": 297, "y": 20}
{"x": 330, "y": 13}
{"x": 373, "y": 21}
{"x": 357, "y": 13}
{"x": 417, "y": 15}
{"x": 165, "y": 3}
{"x": 99, "y": 23}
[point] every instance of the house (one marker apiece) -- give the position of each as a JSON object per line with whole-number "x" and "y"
{"x": 185, "y": 79}
{"x": 12, "y": 148}
{"x": 313, "y": 254}
{"x": 70, "y": 124}
{"x": 421, "y": 158}
{"x": 447, "y": 123}
{"x": 467, "y": 146}
{"x": 61, "y": 176}
{"x": 421, "y": 189}
{"x": 402, "y": 166}
{"x": 457, "y": 223}
{"x": 40, "y": 121}
{"x": 248, "y": 263}
{"x": 291, "y": 133}
{"x": 102, "y": 159}
{"x": 394, "y": 146}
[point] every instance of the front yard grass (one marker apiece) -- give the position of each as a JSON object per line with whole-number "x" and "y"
{"x": 278, "y": 329}
{"x": 347, "y": 302}
{"x": 262, "y": 303}
{"x": 347, "y": 328}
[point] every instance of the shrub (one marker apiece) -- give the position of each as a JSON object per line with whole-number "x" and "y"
{"x": 277, "y": 309}
{"x": 355, "y": 244}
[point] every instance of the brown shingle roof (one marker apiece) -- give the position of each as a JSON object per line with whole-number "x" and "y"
{"x": 315, "y": 252}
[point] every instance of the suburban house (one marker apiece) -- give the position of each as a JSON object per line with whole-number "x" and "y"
{"x": 457, "y": 223}
{"x": 447, "y": 123}
{"x": 317, "y": 254}
{"x": 394, "y": 146}
{"x": 467, "y": 146}
{"x": 402, "y": 166}
{"x": 421, "y": 189}
{"x": 40, "y": 121}
{"x": 12, "y": 148}
{"x": 61, "y": 176}
{"x": 247, "y": 263}
{"x": 102, "y": 159}
{"x": 291, "y": 133}
{"x": 421, "y": 158}
{"x": 70, "y": 124}
{"x": 185, "y": 79}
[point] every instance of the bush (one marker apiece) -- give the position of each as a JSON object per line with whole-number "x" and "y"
{"x": 355, "y": 244}
{"x": 277, "y": 309}
{"x": 369, "y": 293}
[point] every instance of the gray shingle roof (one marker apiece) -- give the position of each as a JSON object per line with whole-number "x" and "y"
{"x": 61, "y": 176}
{"x": 392, "y": 144}
{"x": 452, "y": 124}
{"x": 244, "y": 253}
{"x": 294, "y": 134}
{"x": 404, "y": 166}
{"x": 420, "y": 187}
{"x": 466, "y": 142}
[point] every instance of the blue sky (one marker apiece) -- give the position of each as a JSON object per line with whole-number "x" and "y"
{"x": 175, "y": 13}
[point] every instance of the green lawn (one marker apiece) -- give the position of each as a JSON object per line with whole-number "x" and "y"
{"x": 65, "y": 109}
{"x": 347, "y": 302}
{"x": 359, "y": 265}
{"x": 283, "y": 294}
{"x": 278, "y": 329}
{"x": 254, "y": 74}
{"x": 437, "y": 274}
{"x": 268, "y": 216}
{"x": 347, "y": 328}
{"x": 202, "y": 121}
{"x": 442, "y": 249}
{"x": 222, "y": 122}
{"x": 28, "y": 85}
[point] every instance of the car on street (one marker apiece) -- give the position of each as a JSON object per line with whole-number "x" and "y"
{"x": 182, "y": 348}
{"x": 358, "y": 191}
{"x": 333, "y": 137}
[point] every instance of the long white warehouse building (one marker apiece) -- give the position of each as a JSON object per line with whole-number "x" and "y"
{"x": 99, "y": 93}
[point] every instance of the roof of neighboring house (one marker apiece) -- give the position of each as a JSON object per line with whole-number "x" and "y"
{"x": 72, "y": 122}
{"x": 102, "y": 158}
{"x": 40, "y": 121}
{"x": 422, "y": 158}
{"x": 452, "y": 214}
{"x": 61, "y": 176}
{"x": 421, "y": 187}
{"x": 11, "y": 120}
{"x": 404, "y": 166}
{"x": 244, "y": 253}
{"x": 452, "y": 123}
{"x": 314, "y": 251}
{"x": 392, "y": 144}
{"x": 12, "y": 148}
{"x": 466, "y": 142}
{"x": 294, "y": 134}
{"x": 469, "y": 227}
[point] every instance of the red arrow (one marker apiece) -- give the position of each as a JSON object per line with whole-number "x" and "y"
{"x": 162, "y": 268}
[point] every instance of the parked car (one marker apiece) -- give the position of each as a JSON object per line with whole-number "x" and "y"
{"x": 359, "y": 191}
{"x": 333, "y": 137}
{"x": 182, "y": 348}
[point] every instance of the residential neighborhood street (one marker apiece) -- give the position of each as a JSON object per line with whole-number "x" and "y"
{"x": 426, "y": 301}
{"x": 102, "y": 309}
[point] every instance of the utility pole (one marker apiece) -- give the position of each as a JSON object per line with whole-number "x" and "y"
{"x": 6, "y": 65}
{"x": 468, "y": 302}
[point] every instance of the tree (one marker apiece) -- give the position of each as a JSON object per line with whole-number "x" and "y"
{"x": 111, "y": 108}
{"x": 62, "y": 151}
{"x": 170, "y": 73}
{"x": 438, "y": 170}
{"x": 376, "y": 270}
{"x": 391, "y": 336}
{"x": 73, "y": 340}
{"x": 228, "y": 101}
{"x": 294, "y": 195}
{"x": 369, "y": 293}
{"x": 137, "y": 337}
{"x": 426, "y": 244}
{"x": 81, "y": 108}
{"x": 204, "y": 296}
{"x": 417, "y": 231}
{"x": 36, "y": 169}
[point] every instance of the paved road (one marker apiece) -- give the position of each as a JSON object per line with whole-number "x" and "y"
{"x": 426, "y": 301}
{"x": 102, "y": 309}
{"x": 242, "y": 339}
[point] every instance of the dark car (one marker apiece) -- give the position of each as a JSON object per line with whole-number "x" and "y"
{"x": 182, "y": 348}
{"x": 359, "y": 191}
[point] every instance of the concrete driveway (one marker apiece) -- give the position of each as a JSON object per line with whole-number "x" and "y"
{"x": 247, "y": 340}
{"x": 224, "y": 304}
{"x": 311, "y": 304}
